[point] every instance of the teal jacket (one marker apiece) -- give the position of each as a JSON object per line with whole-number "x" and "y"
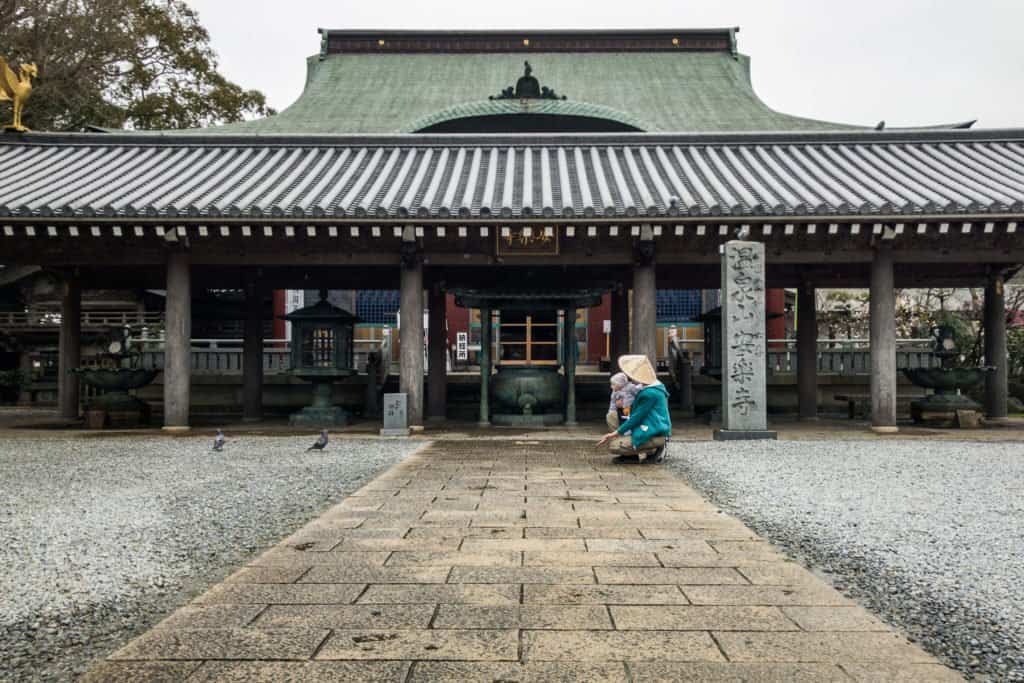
{"x": 648, "y": 416}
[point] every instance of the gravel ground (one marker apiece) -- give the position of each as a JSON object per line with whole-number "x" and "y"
{"x": 930, "y": 535}
{"x": 102, "y": 536}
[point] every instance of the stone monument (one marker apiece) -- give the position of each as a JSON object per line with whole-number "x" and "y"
{"x": 744, "y": 363}
{"x": 396, "y": 415}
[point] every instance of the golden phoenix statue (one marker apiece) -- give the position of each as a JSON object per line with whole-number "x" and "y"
{"x": 16, "y": 87}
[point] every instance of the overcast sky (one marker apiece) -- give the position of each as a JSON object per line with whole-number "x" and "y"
{"x": 909, "y": 62}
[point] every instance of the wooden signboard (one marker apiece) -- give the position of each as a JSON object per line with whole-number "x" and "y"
{"x": 527, "y": 241}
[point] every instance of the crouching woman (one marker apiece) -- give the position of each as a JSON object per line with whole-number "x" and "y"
{"x": 647, "y": 430}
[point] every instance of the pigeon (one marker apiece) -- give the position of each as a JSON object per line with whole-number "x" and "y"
{"x": 321, "y": 443}
{"x": 743, "y": 232}
{"x": 218, "y": 441}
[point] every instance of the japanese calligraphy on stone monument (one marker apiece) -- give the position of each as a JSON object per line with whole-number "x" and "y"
{"x": 743, "y": 332}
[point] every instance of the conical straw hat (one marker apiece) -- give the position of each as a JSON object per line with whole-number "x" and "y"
{"x": 638, "y": 369}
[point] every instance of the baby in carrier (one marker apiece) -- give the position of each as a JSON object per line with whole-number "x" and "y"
{"x": 623, "y": 394}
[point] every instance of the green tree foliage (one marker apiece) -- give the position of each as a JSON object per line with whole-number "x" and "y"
{"x": 142, "y": 64}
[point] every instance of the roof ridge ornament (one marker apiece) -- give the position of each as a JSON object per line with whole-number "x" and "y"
{"x": 527, "y": 88}
{"x": 16, "y": 87}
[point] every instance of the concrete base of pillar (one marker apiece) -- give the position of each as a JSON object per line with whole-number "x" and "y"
{"x": 885, "y": 430}
{"x": 394, "y": 432}
{"x": 483, "y": 424}
{"x": 177, "y": 430}
{"x": 745, "y": 435}
{"x": 251, "y": 420}
{"x": 809, "y": 419}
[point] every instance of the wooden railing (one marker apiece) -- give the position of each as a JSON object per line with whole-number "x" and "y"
{"x": 21, "y": 321}
{"x": 224, "y": 356}
{"x": 845, "y": 357}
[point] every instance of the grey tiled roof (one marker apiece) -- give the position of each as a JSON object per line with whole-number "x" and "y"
{"x": 572, "y": 177}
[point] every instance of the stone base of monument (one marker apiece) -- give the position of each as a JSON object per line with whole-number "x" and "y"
{"x": 395, "y": 432}
{"x": 942, "y": 410}
{"x": 535, "y": 420}
{"x": 745, "y": 435}
{"x": 320, "y": 416}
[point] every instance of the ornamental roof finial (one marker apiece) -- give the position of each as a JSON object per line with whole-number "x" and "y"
{"x": 16, "y": 87}
{"x": 527, "y": 87}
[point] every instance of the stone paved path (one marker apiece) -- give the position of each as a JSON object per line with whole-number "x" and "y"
{"x": 509, "y": 561}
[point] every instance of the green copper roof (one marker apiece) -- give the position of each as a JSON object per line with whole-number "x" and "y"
{"x": 402, "y": 93}
{"x": 531, "y": 106}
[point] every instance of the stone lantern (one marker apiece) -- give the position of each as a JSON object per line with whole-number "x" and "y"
{"x": 322, "y": 353}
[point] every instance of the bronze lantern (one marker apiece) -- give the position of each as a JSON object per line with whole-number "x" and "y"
{"x": 322, "y": 353}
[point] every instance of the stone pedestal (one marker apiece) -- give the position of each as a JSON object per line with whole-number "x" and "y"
{"x": 321, "y": 413}
{"x": 744, "y": 364}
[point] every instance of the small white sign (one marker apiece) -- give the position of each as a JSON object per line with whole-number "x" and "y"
{"x": 607, "y": 326}
{"x": 462, "y": 346}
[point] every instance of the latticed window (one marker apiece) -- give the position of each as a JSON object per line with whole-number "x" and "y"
{"x": 528, "y": 339}
{"x": 377, "y": 306}
{"x": 318, "y": 348}
{"x": 678, "y": 305}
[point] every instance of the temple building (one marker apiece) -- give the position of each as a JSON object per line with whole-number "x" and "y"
{"x": 505, "y": 212}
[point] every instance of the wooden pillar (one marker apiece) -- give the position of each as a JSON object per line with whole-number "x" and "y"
{"x": 686, "y": 385}
{"x": 645, "y": 305}
{"x": 996, "y": 382}
{"x": 252, "y": 353}
{"x": 437, "y": 341}
{"x": 69, "y": 348}
{"x": 883, "y": 342}
{"x": 620, "y": 325}
{"x": 569, "y": 351}
{"x": 807, "y": 351}
{"x": 775, "y": 314}
{"x": 485, "y": 366}
{"x": 411, "y": 338}
{"x": 178, "y": 347}
{"x": 25, "y": 395}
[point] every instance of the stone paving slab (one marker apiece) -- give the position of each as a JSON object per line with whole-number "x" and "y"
{"x": 345, "y": 616}
{"x": 733, "y": 672}
{"x": 499, "y": 560}
{"x": 564, "y": 617}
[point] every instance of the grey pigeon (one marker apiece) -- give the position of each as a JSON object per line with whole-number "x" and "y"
{"x": 218, "y": 441}
{"x": 743, "y": 232}
{"x": 321, "y": 443}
